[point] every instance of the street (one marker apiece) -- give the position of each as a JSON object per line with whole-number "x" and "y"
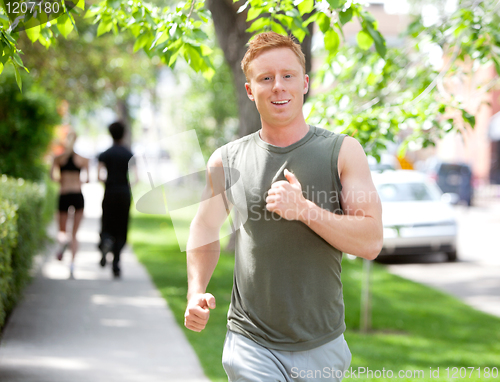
{"x": 475, "y": 277}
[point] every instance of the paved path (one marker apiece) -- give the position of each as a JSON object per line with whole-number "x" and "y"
{"x": 94, "y": 328}
{"x": 475, "y": 278}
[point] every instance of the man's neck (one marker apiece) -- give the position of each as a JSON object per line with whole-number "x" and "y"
{"x": 283, "y": 136}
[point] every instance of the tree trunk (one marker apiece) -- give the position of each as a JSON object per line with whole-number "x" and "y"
{"x": 230, "y": 28}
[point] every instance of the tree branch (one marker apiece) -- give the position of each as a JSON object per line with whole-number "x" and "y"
{"x": 193, "y": 2}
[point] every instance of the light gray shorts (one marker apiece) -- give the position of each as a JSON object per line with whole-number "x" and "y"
{"x": 245, "y": 360}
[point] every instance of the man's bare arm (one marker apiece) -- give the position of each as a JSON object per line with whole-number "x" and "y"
{"x": 357, "y": 232}
{"x": 203, "y": 247}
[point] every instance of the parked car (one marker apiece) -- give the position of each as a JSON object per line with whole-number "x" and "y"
{"x": 417, "y": 218}
{"x": 455, "y": 178}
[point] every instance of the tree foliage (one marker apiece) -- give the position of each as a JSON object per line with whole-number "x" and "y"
{"x": 89, "y": 72}
{"x": 27, "y": 122}
{"x": 374, "y": 98}
{"x": 209, "y": 107}
{"x": 179, "y": 31}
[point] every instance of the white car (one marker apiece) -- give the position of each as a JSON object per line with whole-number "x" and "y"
{"x": 417, "y": 216}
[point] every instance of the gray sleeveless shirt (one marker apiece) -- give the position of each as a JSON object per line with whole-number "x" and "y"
{"x": 287, "y": 293}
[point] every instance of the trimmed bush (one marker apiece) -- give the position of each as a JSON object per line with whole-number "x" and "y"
{"x": 27, "y": 121}
{"x": 25, "y": 210}
{"x": 8, "y": 240}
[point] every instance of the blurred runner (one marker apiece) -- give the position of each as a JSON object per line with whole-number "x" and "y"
{"x": 69, "y": 164}
{"x": 117, "y": 197}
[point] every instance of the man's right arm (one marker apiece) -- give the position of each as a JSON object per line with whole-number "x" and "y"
{"x": 203, "y": 247}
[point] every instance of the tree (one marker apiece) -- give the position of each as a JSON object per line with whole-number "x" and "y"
{"x": 174, "y": 32}
{"x": 89, "y": 72}
{"x": 209, "y": 107}
{"x": 468, "y": 34}
{"x": 26, "y": 125}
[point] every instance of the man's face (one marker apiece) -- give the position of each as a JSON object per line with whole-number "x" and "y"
{"x": 277, "y": 85}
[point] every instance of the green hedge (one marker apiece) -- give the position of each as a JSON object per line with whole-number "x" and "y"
{"x": 8, "y": 240}
{"x": 27, "y": 121}
{"x": 25, "y": 210}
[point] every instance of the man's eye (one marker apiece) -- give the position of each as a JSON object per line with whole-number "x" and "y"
{"x": 288, "y": 76}
{"x": 266, "y": 78}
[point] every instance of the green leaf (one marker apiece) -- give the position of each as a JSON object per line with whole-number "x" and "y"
{"x": 299, "y": 33}
{"x": 306, "y": 6}
{"x": 469, "y": 118}
{"x": 17, "y": 59}
{"x": 206, "y": 50}
{"x": 311, "y": 19}
{"x": 135, "y": 29}
{"x": 9, "y": 38}
{"x": 104, "y": 26}
{"x": 415, "y": 27}
{"x": 45, "y": 37}
{"x": 258, "y": 25}
{"x": 278, "y": 28}
{"x": 93, "y": 11}
{"x": 143, "y": 39}
{"x": 33, "y": 33}
{"x": 160, "y": 38}
{"x": 1, "y": 68}
{"x": 332, "y": 41}
{"x": 209, "y": 74}
{"x": 346, "y": 16}
{"x": 253, "y": 13}
{"x": 18, "y": 77}
{"x": 192, "y": 57}
{"x": 496, "y": 61}
{"x": 364, "y": 40}
{"x": 285, "y": 20}
{"x": 81, "y": 4}
{"x": 323, "y": 22}
{"x": 64, "y": 25}
{"x": 371, "y": 79}
{"x": 378, "y": 39}
{"x": 336, "y": 4}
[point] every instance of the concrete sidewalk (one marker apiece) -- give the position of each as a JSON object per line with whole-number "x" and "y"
{"x": 94, "y": 328}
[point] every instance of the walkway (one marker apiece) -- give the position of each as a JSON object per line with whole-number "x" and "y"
{"x": 94, "y": 328}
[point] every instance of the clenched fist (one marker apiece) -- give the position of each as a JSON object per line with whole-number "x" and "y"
{"x": 198, "y": 311}
{"x": 286, "y": 199}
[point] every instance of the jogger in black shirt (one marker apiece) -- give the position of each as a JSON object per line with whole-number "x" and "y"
{"x": 117, "y": 197}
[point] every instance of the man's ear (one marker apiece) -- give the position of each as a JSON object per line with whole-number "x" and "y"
{"x": 306, "y": 84}
{"x": 249, "y": 91}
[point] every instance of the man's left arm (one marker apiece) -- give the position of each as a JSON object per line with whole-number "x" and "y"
{"x": 359, "y": 230}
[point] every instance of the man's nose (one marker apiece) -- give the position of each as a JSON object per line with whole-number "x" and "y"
{"x": 278, "y": 84}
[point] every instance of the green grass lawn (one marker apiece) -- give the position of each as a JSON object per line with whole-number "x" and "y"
{"x": 415, "y": 328}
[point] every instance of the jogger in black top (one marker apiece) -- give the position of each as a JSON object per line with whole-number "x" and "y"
{"x": 117, "y": 197}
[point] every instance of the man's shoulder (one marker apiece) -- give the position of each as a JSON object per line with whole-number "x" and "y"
{"x": 321, "y": 132}
{"x": 230, "y": 148}
{"x": 241, "y": 141}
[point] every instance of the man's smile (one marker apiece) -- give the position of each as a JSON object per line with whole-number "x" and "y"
{"x": 280, "y": 102}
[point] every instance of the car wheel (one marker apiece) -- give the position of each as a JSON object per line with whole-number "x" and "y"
{"x": 452, "y": 256}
